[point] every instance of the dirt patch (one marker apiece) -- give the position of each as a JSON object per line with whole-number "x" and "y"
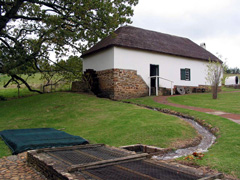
{"x": 59, "y": 106}
{"x": 164, "y": 100}
{"x": 180, "y": 144}
{"x": 233, "y": 117}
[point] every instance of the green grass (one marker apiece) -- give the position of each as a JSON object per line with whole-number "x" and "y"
{"x": 223, "y": 155}
{"x": 35, "y": 83}
{"x": 3, "y": 80}
{"x": 13, "y": 92}
{"x": 227, "y": 102}
{"x": 34, "y": 80}
{"x": 98, "y": 120}
{"x": 227, "y": 89}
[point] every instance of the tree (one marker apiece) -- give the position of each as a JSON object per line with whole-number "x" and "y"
{"x": 74, "y": 65}
{"x": 63, "y": 71}
{"x": 225, "y": 67}
{"x": 31, "y": 29}
{"x": 214, "y": 75}
{"x": 50, "y": 75}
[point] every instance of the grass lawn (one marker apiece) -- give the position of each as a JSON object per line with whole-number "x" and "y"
{"x": 227, "y": 89}
{"x": 34, "y": 81}
{"x": 13, "y": 92}
{"x": 224, "y": 155}
{"x": 227, "y": 102}
{"x": 98, "y": 120}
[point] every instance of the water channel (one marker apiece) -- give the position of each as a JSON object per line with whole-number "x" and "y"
{"x": 207, "y": 139}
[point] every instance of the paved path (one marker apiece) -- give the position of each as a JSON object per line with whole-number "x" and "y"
{"x": 233, "y": 117}
{"x": 16, "y": 168}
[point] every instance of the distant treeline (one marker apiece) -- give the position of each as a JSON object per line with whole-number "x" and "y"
{"x": 235, "y": 70}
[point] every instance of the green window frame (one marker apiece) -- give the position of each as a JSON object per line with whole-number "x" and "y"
{"x": 186, "y": 74}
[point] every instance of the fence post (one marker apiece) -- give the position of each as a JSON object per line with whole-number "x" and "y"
{"x": 18, "y": 91}
{"x": 51, "y": 85}
{"x": 150, "y": 87}
{"x": 156, "y": 85}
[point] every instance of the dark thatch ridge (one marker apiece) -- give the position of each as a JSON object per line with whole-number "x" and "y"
{"x": 137, "y": 38}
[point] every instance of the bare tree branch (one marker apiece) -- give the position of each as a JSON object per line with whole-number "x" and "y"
{"x": 26, "y": 84}
{"x": 10, "y": 14}
{"x": 9, "y": 81}
{"x": 27, "y": 18}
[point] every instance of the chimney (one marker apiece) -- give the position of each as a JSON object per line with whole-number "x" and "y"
{"x": 203, "y": 45}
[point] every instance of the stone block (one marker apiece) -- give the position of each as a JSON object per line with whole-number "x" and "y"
{"x": 122, "y": 84}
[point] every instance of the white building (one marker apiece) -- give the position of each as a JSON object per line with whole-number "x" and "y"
{"x": 231, "y": 81}
{"x": 126, "y": 60}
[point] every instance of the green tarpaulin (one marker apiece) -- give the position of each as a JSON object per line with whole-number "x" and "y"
{"x": 20, "y": 140}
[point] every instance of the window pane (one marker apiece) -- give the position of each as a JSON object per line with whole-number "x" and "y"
{"x": 183, "y": 74}
{"x": 187, "y": 74}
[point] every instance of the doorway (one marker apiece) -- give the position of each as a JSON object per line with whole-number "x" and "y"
{"x": 154, "y": 71}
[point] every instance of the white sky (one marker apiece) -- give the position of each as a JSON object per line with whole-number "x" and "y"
{"x": 215, "y": 22}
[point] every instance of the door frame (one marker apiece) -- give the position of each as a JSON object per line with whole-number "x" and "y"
{"x": 154, "y": 67}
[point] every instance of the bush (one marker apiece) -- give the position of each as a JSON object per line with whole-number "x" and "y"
{"x": 2, "y": 98}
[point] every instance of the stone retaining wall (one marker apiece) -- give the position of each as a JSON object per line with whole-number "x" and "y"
{"x": 121, "y": 84}
{"x": 46, "y": 169}
{"x": 106, "y": 83}
{"x": 77, "y": 86}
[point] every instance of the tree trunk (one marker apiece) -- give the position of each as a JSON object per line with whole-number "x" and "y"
{"x": 214, "y": 91}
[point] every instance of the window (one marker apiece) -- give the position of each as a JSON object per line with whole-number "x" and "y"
{"x": 185, "y": 74}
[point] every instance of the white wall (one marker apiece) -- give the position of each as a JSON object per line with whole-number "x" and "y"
{"x": 99, "y": 61}
{"x": 231, "y": 80}
{"x": 169, "y": 66}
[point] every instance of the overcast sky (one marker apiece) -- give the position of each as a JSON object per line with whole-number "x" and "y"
{"x": 214, "y": 22}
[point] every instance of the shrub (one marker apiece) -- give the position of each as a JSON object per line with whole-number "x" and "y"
{"x": 2, "y": 98}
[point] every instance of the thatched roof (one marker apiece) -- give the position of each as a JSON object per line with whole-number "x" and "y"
{"x": 137, "y": 38}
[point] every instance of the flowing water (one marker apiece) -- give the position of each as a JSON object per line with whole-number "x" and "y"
{"x": 207, "y": 140}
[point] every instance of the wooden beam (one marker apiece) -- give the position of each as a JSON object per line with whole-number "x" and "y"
{"x": 109, "y": 162}
{"x": 69, "y": 148}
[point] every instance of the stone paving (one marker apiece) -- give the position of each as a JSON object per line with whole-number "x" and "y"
{"x": 16, "y": 168}
{"x": 233, "y": 117}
